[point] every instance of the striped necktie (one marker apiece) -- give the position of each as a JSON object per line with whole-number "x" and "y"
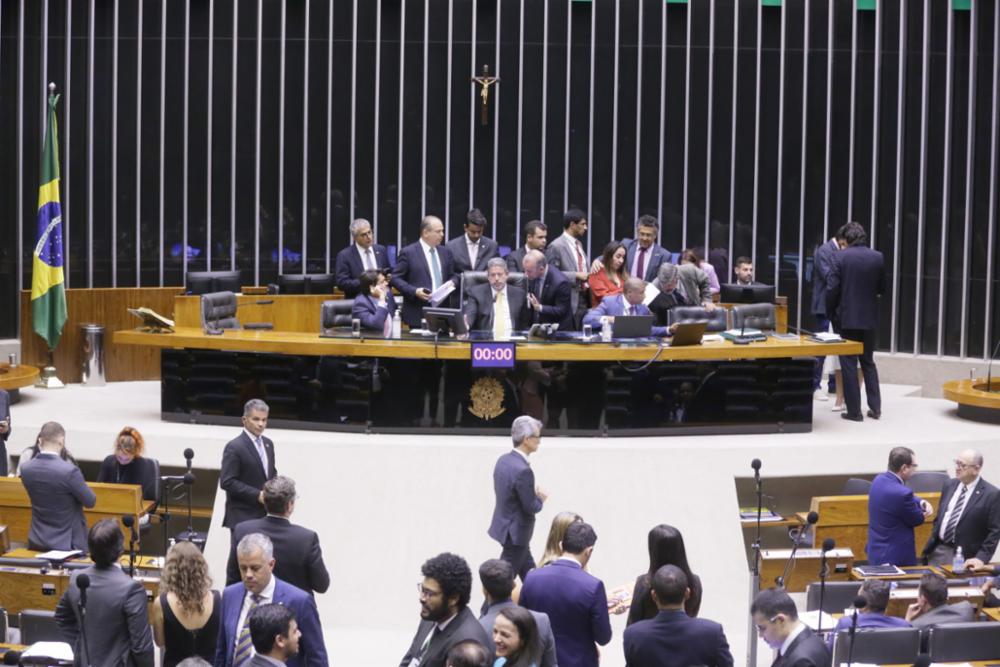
{"x": 956, "y": 514}
{"x": 244, "y": 646}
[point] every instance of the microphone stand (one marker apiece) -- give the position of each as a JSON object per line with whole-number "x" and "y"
{"x": 780, "y": 580}
{"x": 131, "y": 549}
{"x": 83, "y": 627}
{"x": 854, "y": 627}
{"x": 823, "y": 573}
{"x": 755, "y": 568}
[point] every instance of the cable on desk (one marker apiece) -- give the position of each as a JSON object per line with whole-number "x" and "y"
{"x": 646, "y": 364}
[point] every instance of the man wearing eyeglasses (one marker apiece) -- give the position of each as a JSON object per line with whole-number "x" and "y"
{"x": 969, "y": 516}
{"x": 893, "y": 512}
{"x": 777, "y": 622}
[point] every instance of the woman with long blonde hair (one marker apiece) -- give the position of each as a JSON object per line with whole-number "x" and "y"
{"x": 186, "y": 613}
{"x": 553, "y": 547}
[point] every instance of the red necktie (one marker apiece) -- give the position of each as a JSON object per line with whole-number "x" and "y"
{"x": 580, "y": 263}
{"x": 640, "y": 269}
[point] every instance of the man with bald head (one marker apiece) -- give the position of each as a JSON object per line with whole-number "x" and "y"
{"x": 969, "y": 516}
{"x": 421, "y": 268}
{"x": 629, "y": 302}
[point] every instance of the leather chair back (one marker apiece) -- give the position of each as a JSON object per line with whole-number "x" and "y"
{"x": 718, "y": 319}
{"x": 880, "y": 646}
{"x": 927, "y": 482}
{"x": 472, "y": 278}
{"x": 336, "y": 313}
{"x": 218, "y": 310}
{"x": 755, "y": 316}
{"x": 963, "y": 642}
{"x": 855, "y": 486}
{"x": 38, "y": 625}
{"x": 839, "y": 595}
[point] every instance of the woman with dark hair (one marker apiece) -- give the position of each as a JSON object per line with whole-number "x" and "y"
{"x": 690, "y": 256}
{"x": 515, "y": 634}
{"x": 666, "y": 547}
{"x": 374, "y": 304}
{"x": 610, "y": 278}
{"x": 127, "y": 465}
{"x": 186, "y": 614}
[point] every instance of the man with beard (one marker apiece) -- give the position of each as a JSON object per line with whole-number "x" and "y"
{"x": 445, "y": 618}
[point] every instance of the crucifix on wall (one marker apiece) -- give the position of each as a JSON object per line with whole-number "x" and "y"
{"x": 485, "y": 80}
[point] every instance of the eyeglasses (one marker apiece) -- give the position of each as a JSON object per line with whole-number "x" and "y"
{"x": 762, "y": 628}
{"x": 962, "y": 465}
{"x": 426, "y": 592}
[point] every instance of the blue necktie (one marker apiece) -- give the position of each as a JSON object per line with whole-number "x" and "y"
{"x": 435, "y": 269}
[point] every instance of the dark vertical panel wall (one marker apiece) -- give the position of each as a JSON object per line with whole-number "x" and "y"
{"x": 264, "y": 121}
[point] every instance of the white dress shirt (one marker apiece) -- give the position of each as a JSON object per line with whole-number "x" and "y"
{"x": 266, "y": 597}
{"x": 799, "y": 629}
{"x": 473, "y": 247}
{"x": 365, "y": 256}
{"x": 970, "y": 488}
{"x": 258, "y": 444}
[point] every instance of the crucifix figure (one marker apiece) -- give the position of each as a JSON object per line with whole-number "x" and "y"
{"x": 485, "y": 80}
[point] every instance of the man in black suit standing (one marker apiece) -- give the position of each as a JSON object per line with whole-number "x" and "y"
{"x": 968, "y": 517}
{"x": 644, "y": 257}
{"x": 518, "y": 498}
{"x": 297, "y": 554}
{"x": 496, "y": 306}
{"x": 535, "y": 238}
{"x": 672, "y": 638}
{"x": 549, "y": 291}
{"x": 421, "y": 268}
{"x": 4, "y": 430}
{"x": 472, "y": 250}
{"x": 855, "y": 283}
{"x": 362, "y": 255}
{"x": 247, "y": 462}
{"x": 445, "y": 617}
{"x": 777, "y": 621}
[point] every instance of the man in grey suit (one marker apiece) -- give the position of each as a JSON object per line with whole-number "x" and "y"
{"x": 114, "y": 631}
{"x": 275, "y": 635}
{"x": 567, "y": 254}
{"x": 497, "y": 577}
{"x": 58, "y": 495}
{"x": 496, "y": 306}
{"x": 518, "y": 498}
{"x": 535, "y": 238}
{"x": 932, "y": 608}
{"x": 472, "y": 250}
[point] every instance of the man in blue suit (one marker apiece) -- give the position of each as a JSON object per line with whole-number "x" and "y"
{"x": 362, "y": 255}
{"x": 4, "y": 430}
{"x": 575, "y": 600}
{"x": 822, "y": 265}
{"x": 259, "y": 586}
{"x": 629, "y": 302}
{"x": 672, "y": 638}
{"x": 855, "y": 283}
{"x": 421, "y": 268}
{"x": 875, "y": 593}
{"x": 893, "y": 512}
{"x": 644, "y": 256}
{"x": 549, "y": 291}
{"x": 518, "y": 499}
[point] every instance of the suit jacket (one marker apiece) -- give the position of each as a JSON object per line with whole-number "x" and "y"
{"x": 806, "y": 650}
{"x": 674, "y": 639}
{"x": 822, "y": 265}
{"x": 488, "y": 249}
{"x": 616, "y": 306}
{"x": 297, "y": 554}
{"x": 856, "y": 281}
{"x": 242, "y": 477}
{"x": 312, "y": 649}
{"x": 978, "y": 528}
{"x": 479, "y": 307}
{"x": 694, "y": 282}
{"x": 58, "y": 495}
{"x": 463, "y": 627}
{"x": 515, "y": 259}
{"x": 960, "y": 612}
{"x": 4, "y": 415}
{"x": 561, "y": 254}
{"x": 866, "y": 620}
{"x": 577, "y": 606}
{"x": 413, "y": 272}
{"x": 893, "y": 513}
{"x": 259, "y": 661}
{"x": 117, "y": 623}
{"x": 545, "y": 637}
{"x": 516, "y": 502}
{"x": 655, "y": 256}
{"x": 349, "y": 266}
{"x": 554, "y": 292}
{"x": 371, "y": 314}
{"x": 661, "y": 306}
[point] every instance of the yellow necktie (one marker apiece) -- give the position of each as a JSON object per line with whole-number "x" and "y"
{"x": 500, "y": 317}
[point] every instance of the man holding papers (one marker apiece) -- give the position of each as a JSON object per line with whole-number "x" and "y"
{"x": 424, "y": 272}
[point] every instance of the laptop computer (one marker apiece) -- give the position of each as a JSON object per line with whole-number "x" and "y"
{"x": 632, "y": 326}
{"x": 688, "y": 333}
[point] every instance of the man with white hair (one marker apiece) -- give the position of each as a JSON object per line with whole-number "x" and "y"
{"x": 518, "y": 498}
{"x": 259, "y": 586}
{"x": 362, "y": 255}
{"x": 247, "y": 462}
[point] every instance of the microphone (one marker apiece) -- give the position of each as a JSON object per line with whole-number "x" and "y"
{"x": 859, "y": 603}
{"x": 923, "y": 660}
{"x": 83, "y": 583}
{"x": 828, "y": 544}
{"x": 129, "y": 522}
{"x": 188, "y": 479}
{"x": 755, "y": 464}
{"x": 989, "y": 367}
{"x": 12, "y": 658}
{"x": 811, "y": 520}
{"x": 188, "y": 455}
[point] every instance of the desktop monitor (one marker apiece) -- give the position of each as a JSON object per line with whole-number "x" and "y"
{"x": 756, "y": 293}
{"x": 444, "y": 320}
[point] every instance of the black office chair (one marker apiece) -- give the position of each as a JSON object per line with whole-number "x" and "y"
{"x": 962, "y": 642}
{"x": 855, "y": 486}
{"x": 336, "y": 313}
{"x": 472, "y": 278}
{"x": 755, "y": 316}
{"x": 880, "y": 646}
{"x": 718, "y": 319}
{"x": 927, "y": 482}
{"x": 218, "y": 311}
{"x": 38, "y": 625}
{"x": 839, "y": 595}
{"x": 311, "y": 283}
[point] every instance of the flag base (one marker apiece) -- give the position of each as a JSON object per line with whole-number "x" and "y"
{"x": 48, "y": 379}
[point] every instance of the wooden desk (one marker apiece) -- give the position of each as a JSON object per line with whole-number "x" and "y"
{"x": 17, "y": 377}
{"x": 912, "y": 572}
{"x": 805, "y": 568}
{"x": 845, "y": 519}
{"x": 901, "y": 598}
{"x": 113, "y": 501}
{"x": 287, "y": 312}
{"x": 976, "y": 400}
{"x": 30, "y": 588}
{"x": 143, "y": 562}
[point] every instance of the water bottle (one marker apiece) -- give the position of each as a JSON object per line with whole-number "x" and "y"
{"x": 397, "y": 325}
{"x": 605, "y": 329}
{"x": 958, "y": 563}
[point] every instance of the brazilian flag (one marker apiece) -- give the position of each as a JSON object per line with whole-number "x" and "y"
{"x": 48, "y": 292}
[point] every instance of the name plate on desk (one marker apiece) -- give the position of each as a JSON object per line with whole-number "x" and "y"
{"x": 493, "y": 355}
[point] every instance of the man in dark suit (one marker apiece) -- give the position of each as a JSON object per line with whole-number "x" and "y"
{"x": 575, "y": 600}
{"x": 567, "y": 254}
{"x": 247, "y": 462}
{"x": 298, "y": 556}
{"x": 518, "y": 498}
{"x": 235, "y": 647}
{"x": 445, "y": 617}
{"x": 115, "y": 630}
{"x": 644, "y": 257}
{"x": 671, "y": 294}
{"x": 968, "y": 517}
{"x": 893, "y": 512}
{"x": 629, "y": 302}
{"x": 672, "y": 638}
{"x": 932, "y": 608}
{"x": 549, "y": 291}
{"x": 421, "y": 268}
{"x": 777, "y": 621}
{"x": 497, "y": 306}
{"x": 275, "y": 635}
{"x": 855, "y": 283}
{"x": 364, "y": 254}
{"x": 472, "y": 250}
{"x": 875, "y": 593}
{"x": 58, "y": 495}
{"x": 535, "y": 238}
{"x": 822, "y": 265}
{"x": 4, "y": 431}
{"x": 497, "y": 577}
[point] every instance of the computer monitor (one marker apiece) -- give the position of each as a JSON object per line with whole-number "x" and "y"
{"x": 444, "y": 320}
{"x": 206, "y": 282}
{"x": 756, "y": 293}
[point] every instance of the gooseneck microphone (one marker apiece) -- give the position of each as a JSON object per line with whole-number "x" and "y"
{"x": 83, "y": 583}
{"x": 129, "y": 522}
{"x": 188, "y": 455}
{"x": 859, "y": 603}
{"x": 811, "y": 520}
{"x": 755, "y": 464}
{"x": 824, "y": 572}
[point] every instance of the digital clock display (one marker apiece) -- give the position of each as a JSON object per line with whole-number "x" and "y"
{"x": 493, "y": 355}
